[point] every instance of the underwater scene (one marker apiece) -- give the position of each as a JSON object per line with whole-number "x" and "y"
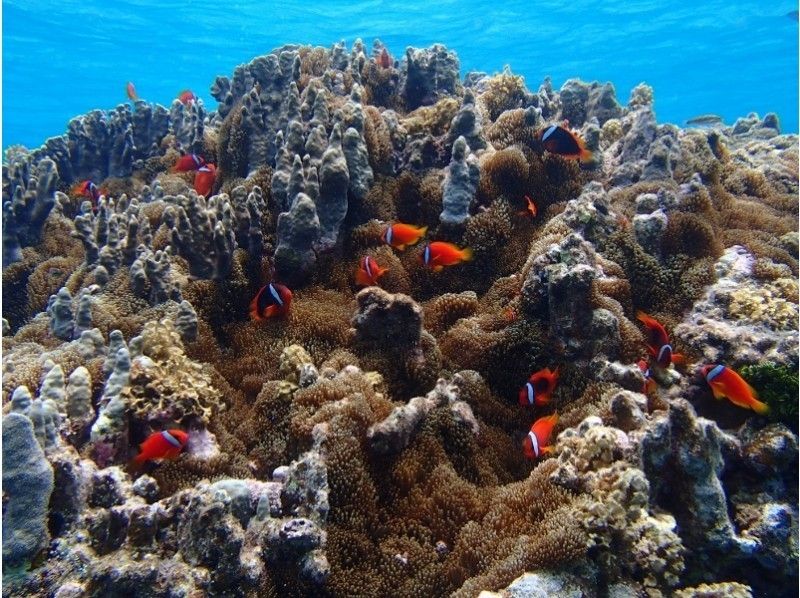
{"x": 449, "y": 307}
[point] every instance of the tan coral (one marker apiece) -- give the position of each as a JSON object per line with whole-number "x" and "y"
{"x": 165, "y": 385}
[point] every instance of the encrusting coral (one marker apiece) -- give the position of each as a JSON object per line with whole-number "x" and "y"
{"x": 342, "y": 440}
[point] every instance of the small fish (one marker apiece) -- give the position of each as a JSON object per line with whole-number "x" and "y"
{"x": 186, "y": 97}
{"x": 400, "y": 235}
{"x": 88, "y": 189}
{"x": 384, "y": 60}
{"x": 530, "y": 209}
{"x": 558, "y": 140}
{"x": 705, "y": 120}
{"x": 724, "y": 382}
{"x": 166, "y": 444}
{"x": 535, "y": 443}
{"x": 271, "y": 300}
{"x": 658, "y": 341}
{"x": 130, "y": 90}
{"x": 439, "y": 254}
{"x": 204, "y": 179}
{"x": 649, "y": 383}
{"x": 539, "y": 388}
{"x": 188, "y": 162}
{"x": 369, "y": 272}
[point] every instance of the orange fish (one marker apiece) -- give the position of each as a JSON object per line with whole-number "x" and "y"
{"x": 369, "y": 272}
{"x": 649, "y": 384}
{"x": 531, "y": 206}
{"x": 166, "y": 444}
{"x": 188, "y": 162}
{"x": 539, "y": 388}
{"x": 439, "y": 254}
{"x": 186, "y": 97}
{"x": 384, "y": 60}
{"x": 399, "y": 235}
{"x": 658, "y": 341}
{"x": 204, "y": 179}
{"x": 724, "y": 382}
{"x": 558, "y": 140}
{"x": 271, "y": 300}
{"x": 88, "y": 189}
{"x": 130, "y": 90}
{"x": 535, "y": 443}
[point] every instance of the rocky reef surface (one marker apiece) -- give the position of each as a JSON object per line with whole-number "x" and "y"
{"x": 369, "y": 443}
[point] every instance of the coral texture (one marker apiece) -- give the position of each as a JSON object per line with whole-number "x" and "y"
{"x": 376, "y": 437}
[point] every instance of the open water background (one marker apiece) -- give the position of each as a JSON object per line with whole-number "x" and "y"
{"x": 63, "y": 58}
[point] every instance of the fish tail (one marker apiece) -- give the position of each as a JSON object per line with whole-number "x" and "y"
{"x": 760, "y": 408}
{"x": 466, "y": 254}
{"x": 423, "y": 231}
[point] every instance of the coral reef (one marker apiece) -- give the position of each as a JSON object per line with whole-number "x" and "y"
{"x": 369, "y": 441}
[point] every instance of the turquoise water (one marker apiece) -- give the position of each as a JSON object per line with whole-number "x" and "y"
{"x": 61, "y": 59}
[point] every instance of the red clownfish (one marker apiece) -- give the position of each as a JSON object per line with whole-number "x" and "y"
{"x": 369, "y": 272}
{"x": 384, "y": 60}
{"x": 539, "y": 388}
{"x": 649, "y": 384}
{"x": 399, "y": 235}
{"x": 188, "y": 162}
{"x": 439, "y": 254}
{"x": 558, "y": 140}
{"x": 271, "y": 300}
{"x": 89, "y": 190}
{"x": 166, "y": 444}
{"x": 186, "y": 97}
{"x": 204, "y": 179}
{"x": 658, "y": 341}
{"x": 130, "y": 90}
{"x": 535, "y": 443}
{"x": 724, "y": 382}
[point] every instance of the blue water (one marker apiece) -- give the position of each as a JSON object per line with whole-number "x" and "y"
{"x": 63, "y": 58}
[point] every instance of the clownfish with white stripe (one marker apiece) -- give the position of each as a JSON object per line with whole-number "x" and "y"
{"x": 561, "y": 141}
{"x": 400, "y": 235}
{"x": 649, "y": 383}
{"x": 534, "y": 445}
{"x": 272, "y": 300}
{"x": 724, "y": 382}
{"x": 658, "y": 341}
{"x": 369, "y": 272}
{"x": 539, "y": 388}
{"x": 166, "y": 444}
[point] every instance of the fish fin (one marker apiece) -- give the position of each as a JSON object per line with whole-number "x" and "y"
{"x": 438, "y": 268}
{"x": 718, "y": 394}
{"x": 760, "y": 408}
{"x": 401, "y": 247}
{"x": 381, "y": 272}
{"x": 271, "y": 311}
{"x": 423, "y": 231}
{"x": 678, "y": 359}
{"x": 254, "y": 308}
{"x": 546, "y": 450}
{"x": 466, "y": 254}
{"x": 542, "y": 399}
{"x": 585, "y": 156}
{"x": 362, "y": 279}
